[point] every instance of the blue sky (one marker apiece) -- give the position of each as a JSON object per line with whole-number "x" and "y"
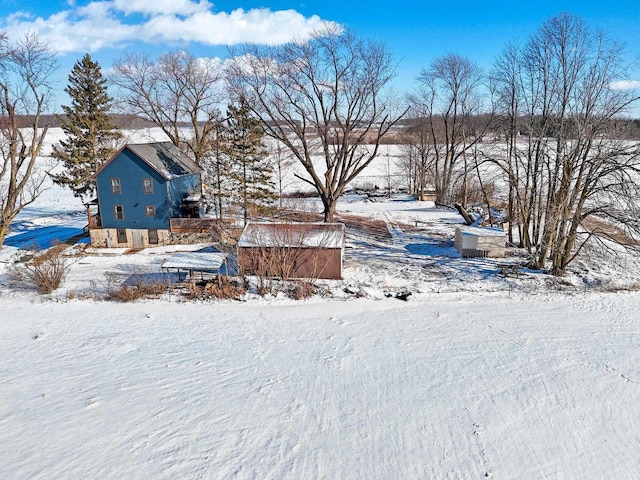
{"x": 416, "y": 32}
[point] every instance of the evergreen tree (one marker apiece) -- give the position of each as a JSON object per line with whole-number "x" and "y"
{"x": 215, "y": 172}
{"x": 90, "y": 132}
{"x": 250, "y": 171}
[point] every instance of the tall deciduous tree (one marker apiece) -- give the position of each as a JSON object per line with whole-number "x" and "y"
{"x": 91, "y": 135}
{"x": 449, "y": 98}
{"x": 250, "y": 172}
{"x": 570, "y": 163}
{"x": 176, "y": 91}
{"x": 25, "y": 69}
{"x": 418, "y": 153}
{"x": 324, "y": 99}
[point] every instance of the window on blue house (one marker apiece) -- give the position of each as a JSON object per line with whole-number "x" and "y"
{"x": 119, "y": 212}
{"x": 150, "y": 210}
{"x": 153, "y": 237}
{"x": 147, "y": 185}
{"x": 115, "y": 185}
{"x": 122, "y": 235}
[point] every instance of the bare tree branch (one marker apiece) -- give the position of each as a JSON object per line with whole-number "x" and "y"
{"x": 566, "y": 157}
{"x": 25, "y": 69}
{"x": 323, "y": 100}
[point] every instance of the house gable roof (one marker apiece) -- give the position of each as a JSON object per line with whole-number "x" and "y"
{"x": 164, "y": 157}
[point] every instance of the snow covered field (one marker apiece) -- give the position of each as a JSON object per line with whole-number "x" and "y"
{"x": 476, "y": 375}
{"x": 450, "y": 386}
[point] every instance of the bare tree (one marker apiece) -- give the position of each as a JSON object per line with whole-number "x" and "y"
{"x": 418, "y": 154}
{"x": 323, "y": 99}
{"x": 571, "y": 162}
{"x": 507, "y": 81}
{"x": 179, "y": 93}
{"x": 281, "y": 160}
{"x": 25, "y": 69}
{"x": 448, "y": 96}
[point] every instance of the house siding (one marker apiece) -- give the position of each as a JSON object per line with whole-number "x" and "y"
{"x": 131, "y": 171}
{"x": 165, "y": 198}
{"x": 179, "y": 188}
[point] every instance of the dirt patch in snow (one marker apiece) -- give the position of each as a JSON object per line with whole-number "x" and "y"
{"x": 366, "y": 226}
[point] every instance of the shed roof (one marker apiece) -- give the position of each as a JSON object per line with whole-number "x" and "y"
{"x": 300, "y": 235}
{"x": 481, "y": 231}
{"x": 198, "y": 260}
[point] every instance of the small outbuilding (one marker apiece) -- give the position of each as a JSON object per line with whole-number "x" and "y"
{"x": 292, "y": 250}
{"x": 480, "y": 242}
{"x": 205, "y": 261}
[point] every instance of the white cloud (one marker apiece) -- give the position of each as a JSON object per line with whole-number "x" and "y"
{"x": 94, "y": 11}
{"x": 101, "y": 24}
{"x": 66, "y": 33}
{"x": 18, "y": 16}
{"x": 624, "y": 85}
{"x": 255, "y": 26}
{"x": 162, "y": 7}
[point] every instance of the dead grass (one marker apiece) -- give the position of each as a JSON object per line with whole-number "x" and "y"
{"x": 81, "y": 296}
{"x": 130, "y": 293}
{"x": 635, "y": 287}
{"x": 302, "y": 289}
{"x": 606, "y": 229}
{"x": 222, "y": 287}
{"x": 290, "y": 215}
{"x": 376, "y": 229}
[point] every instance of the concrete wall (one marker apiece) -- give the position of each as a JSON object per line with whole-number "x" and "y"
{"x": 108, "y": 237}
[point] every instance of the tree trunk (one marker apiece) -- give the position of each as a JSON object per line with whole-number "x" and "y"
{"x": 4, "y": 230}
{"x": 329, "y": 209}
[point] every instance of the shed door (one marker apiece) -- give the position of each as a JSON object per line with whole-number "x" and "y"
{"x": 138, "y": 238}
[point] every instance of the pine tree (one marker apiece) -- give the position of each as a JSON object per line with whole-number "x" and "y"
{"x": 250, "y": 171}
{"x": 90, "y": 132}
{"x": 215, "y": 168}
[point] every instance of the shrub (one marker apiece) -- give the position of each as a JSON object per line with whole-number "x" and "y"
{"x": 129, "y": 293}
{"x": 81, "y": 296}
{"x": 48, "y": 269}
{"x": 221, "y": 287}
{"x": 302, "y": 289}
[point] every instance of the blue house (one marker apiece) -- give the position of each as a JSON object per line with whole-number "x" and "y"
{"x": 140, "y": 189}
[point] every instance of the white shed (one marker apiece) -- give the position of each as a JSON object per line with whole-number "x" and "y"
{"x": 480, "y": 242}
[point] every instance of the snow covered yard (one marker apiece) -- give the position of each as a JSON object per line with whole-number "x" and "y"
{"x": 444, "y": 386}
